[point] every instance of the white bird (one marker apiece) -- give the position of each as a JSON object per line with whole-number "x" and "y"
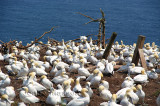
{"x": 141, "y": 78}
{"x": 24, "y": 70}
{"x": 2, "y": 75}
{"x": 104, "y": 93}
{"x": 21, "y": 104}
{"x": 53, "y": 98}
{"x": 77, "y": 87}
{"x": 4, "y": 101}
{"x": 9, "y": 90}
{"x": 105, "y": 84}
{"x": 31, "y": 88}
{"x": 97, "y": 78}
{"x": 46, "y": 64}
{"x": 134, "y": 69}
{"x": 128, "y": 82}
{"x": 83, "y": 71}
{"x": 5, "y": 82}
{"x": 140, "y": 93}
{"x": 152, "y": 74}
{"x": 80, "y": 101}
{"x": 125, "y": 101}
{"x": 40, "y": 70}
{"x": 46, "y": 82}
{"x": 68, "y": 92}
{"x": 38, "y": 86}
{"x": 27, "y": 97}
{"x": 132, "y": 95}
{"x": 124, "y": 67}
{"x": 54, "y": 69}
{"x": 60, "y": 79}
{"x": 112, "y": 102}
{"x": 1, "y": 57}
{"x": 49, "y": 52}
{"x": 74, "y": 68}
{"x": 90, "y": 91}
{"x": 62, "y": 69}
{"x": 109, "y": 68}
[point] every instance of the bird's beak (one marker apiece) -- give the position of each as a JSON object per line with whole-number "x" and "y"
{"x": 40, "y": 81}
{"x": 19, "y": 89}
{"x": 8, "y": 101}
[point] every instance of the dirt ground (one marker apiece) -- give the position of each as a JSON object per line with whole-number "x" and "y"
{"x": 151, "y": 89}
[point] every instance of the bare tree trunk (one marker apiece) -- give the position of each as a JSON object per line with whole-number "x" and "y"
{"x": 99, "y": 34}
{"x": 103, "y": 34}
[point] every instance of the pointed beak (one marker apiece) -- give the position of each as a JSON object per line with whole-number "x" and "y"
{"x": 19, "y": 89}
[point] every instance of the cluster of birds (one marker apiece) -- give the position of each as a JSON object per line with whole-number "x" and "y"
{"x": 62, "y": 60}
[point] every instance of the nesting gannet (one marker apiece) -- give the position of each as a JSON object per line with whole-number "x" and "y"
{"x": 90, "y": 91}
{"x": 49, "y": 52}
{"x": 4, "y": 101}
{"x": 62, "y": 69}
{"x": 152, "y": 74}
{"x": 5, "y": 82}
{"x": 74, "y": 68}
{"x": 100, "y": 65}
{"x": 132, "y": 95}
{"x": 24, "y": 71}
{"x": 124, "y": 67}
{"x": 27, "y": 97}
{"x": 125, "y": 101}
{"x": 46, "y": 82}
{"x": 80, "y": 101}
{"x": 97, "y": 78}
{"x": 46, "y": 64}
{"x": 68, "y": 92}
{"x": 134, "y": 69}
{"x": 110, "y": 57}
{"x": 38, "y": 86}
{"x": 104, "y": 93}
{"x": 100, "y": 53}
{"x": 40, "y": 70}
{"x": 1, "y": 57}
{"x": 60, "y": 79}
{"x": 60, "y": 64}
{"x": 77, "y": 87}
{"x": 9, "y": 90}
{"x": 2, "y": 75}
{"x": 53, "y": 98}
{"x": 140, "y": 93}
{"x": 128, "y": 82}
{"x": 31, "y": 88}
{"x": 141, "y": 78}
{"x": 54, "y": 69}
{"x": 83, "y": 71}
{"x": 109, "y": 68}
{"x": 21, "y": 104}
{"x": 91, "y": 58}
{"x": 105, "y": 84}
{"x": 112, "y": 102}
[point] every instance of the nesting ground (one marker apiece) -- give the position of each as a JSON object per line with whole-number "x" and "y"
{"x": 152, "y": 88}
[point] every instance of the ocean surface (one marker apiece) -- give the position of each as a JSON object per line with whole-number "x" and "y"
{"x": 23, "y": 20}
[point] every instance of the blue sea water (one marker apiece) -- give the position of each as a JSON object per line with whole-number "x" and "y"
{"x": 26, "y": 19}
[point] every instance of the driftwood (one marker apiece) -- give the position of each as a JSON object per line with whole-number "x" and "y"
{"x": 36, "y": 40}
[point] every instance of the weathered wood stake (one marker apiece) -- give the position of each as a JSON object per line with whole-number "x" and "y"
{"x": 139, "y": 45}
{"x": 109, "y": 46}
{"x": 143, "y": 61}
